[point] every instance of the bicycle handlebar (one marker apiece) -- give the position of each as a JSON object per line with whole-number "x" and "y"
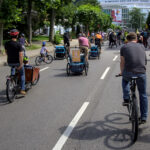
{"x": 118, "y": 75}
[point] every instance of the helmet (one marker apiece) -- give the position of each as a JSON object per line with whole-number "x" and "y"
{"x": 22, "y": 35}
{"x": 14, "y": 32}
{"x": 25, "y": 59}
{"x": 44, "y": 43}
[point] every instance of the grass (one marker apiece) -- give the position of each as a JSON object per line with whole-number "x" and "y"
{"x": 40, "y": 38}
{"x": 33, "y": 47}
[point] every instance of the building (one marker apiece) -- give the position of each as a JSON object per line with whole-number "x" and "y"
{"x": 119, "y": 9}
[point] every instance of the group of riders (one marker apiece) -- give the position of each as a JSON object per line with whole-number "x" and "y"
{"x": 120, "y": 37}
{"x": 130, "y": 64}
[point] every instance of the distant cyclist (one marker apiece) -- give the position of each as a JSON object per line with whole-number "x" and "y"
{"x": 98, "y": 39}
{"x": 23, "y": 41}
{"x": 14, "y": 53}
{"x": 132, "y": 64}
{"x": 44, "y": 50}
{"x": 67, "y": 42}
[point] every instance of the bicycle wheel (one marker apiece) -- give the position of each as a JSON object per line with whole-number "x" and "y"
{"x": 49, "y": 59}
{"x": 86, "y": 68}
{"x": 10, "y": 90}
{"x": 38, "y": 60}
{"x": 134, "y": 119}
{"x": 68, "y": 69}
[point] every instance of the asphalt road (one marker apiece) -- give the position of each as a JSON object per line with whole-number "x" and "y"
{"x": 71, "y": 113}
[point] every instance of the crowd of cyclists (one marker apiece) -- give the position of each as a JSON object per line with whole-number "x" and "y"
{"x": 132, "y": 58}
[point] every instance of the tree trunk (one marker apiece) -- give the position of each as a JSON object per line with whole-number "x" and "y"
{"x": 29, "y": 20}
{"x": 52, "y": 23}
{"x": 1, "y": 36}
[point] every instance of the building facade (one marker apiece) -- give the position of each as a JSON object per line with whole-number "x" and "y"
{"x": 119, "y": 9}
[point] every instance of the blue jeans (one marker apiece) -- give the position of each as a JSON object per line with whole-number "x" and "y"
{"x": 141, "y": 85}
{"x": 22, "y": 74}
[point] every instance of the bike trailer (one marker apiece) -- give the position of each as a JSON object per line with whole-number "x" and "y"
{"x": 60, "y": 52}
{"x": 94, "y": 51}
{"x": 31, "y": 74}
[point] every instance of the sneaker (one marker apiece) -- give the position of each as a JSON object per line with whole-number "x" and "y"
{"x": 22, "y": 92}
{"x": 126, "y": 102}
{"x": 142, "y": 121}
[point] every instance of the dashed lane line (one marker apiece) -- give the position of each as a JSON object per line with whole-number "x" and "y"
{"x": 105, "y": 73}
{"x": 44, "y": 69}
{"x": 70, "y": 128}
{"x": 115, "y": 57}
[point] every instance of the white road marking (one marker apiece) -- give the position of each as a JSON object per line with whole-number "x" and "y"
{"x": 70, "y": 128}
{"x": 44, "y": 69}
{"x": 115, "y": 58}
{"x": 104, "y": 74}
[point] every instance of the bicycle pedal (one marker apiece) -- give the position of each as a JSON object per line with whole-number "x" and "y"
{"x": 125, "y": 104}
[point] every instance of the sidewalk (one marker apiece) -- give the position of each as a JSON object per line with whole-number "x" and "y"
{"x": 33, "y": 53}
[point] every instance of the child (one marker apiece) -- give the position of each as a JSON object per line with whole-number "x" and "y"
{"x": 44, "y": 50}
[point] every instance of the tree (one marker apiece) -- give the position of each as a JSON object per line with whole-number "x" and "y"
{"x": 87, "y": 15}
{"x": 84, "y": 2}
{"x": 53, "y": 9}
{"x": 67, "y": 16}
{"x": 8, "y": 13}
{"x": 148, "y": 21}
{"x": 136, "y": 18}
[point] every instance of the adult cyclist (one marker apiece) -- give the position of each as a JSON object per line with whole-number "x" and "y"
{"x": 84, "y": 44}
{"x": 132, "y": 64}
{"x": 14, "y": 53}
{"x": 67, "y": 42}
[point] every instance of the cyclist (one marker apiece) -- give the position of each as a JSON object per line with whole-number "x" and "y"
{"x": 132, "y": 64}
{"x": 23, "y": 41}
{"x": 139, "y": 38}
{"x": 67, "y": 42}
{"x": 44, "y": 50}
{"x": 84, "y": 44}
{"x": 14, "y": 53}
{"x": 98, "y": 38}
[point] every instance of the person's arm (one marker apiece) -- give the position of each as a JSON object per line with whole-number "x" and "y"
{"x": 122, "y": 63}
{"x": 20, "y": 60}
{"x": 26, "y": 42}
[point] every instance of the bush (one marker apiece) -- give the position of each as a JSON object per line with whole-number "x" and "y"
{"x": 57, "y": 38}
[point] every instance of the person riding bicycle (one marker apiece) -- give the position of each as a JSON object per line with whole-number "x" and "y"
{"x": 98, "y": 38}
{"x": 84, "y": 44}
{"x": 67, "y": 41}
{"x": 23, "y": 41}
{"x": 132, "y": 64}
{"x": 14, "y": 53}
{"x": 44, "y": 50}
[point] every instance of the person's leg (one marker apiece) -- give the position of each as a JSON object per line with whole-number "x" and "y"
{"x": 141, "y": 84}
{"x": 22, "y": 74}
{"x": 126, "y": 89}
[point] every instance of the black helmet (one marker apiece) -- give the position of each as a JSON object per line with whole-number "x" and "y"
{"x": 22, "y": 35}
{"x": 14, "y": 32}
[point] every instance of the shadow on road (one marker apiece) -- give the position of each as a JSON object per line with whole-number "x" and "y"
{"x": 3, "y": 99}
{"x": 108, "y": 129}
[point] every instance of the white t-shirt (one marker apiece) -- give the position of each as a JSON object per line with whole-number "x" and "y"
{"x": 43, "y": 50}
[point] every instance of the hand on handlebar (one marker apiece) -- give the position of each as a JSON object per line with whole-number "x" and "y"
{"x": 119, "y": 75}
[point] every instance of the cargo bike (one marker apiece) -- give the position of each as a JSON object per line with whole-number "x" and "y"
{"x": 13, "y": 82}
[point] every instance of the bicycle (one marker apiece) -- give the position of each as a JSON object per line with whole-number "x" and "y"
{"x": 133, "y": 108}
{"x": 47, "y": 59}
{"x": 13, "y": 82}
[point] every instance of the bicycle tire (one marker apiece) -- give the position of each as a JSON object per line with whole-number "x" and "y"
{"x": 10, "y": 90}
{"x": 134, "y": 119}
{"x": 68, "y": 69}
{"x": 38, "y": 60}
{"x": 86, "y": 69}
{"x": 49, "y": 59}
